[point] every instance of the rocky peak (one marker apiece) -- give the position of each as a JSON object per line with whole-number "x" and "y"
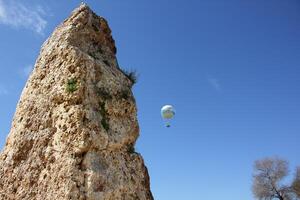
{"x": 75, "y": 126}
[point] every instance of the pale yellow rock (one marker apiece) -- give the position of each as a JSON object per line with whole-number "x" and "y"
{"x": 75, "y": 126}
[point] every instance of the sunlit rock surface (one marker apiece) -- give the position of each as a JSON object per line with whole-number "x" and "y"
{"x": 75, "y": 126}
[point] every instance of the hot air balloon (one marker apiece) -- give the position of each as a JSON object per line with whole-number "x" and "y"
{"x": 167, "y": 113}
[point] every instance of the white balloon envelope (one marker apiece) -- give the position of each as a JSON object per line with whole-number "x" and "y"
{"x": 167, "y": 113}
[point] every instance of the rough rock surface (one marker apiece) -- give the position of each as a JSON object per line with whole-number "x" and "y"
{"x": 75, "y": 126}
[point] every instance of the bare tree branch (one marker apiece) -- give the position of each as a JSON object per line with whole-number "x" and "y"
{"x": 296, "y": 183}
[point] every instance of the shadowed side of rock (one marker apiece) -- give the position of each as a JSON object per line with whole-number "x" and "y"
{"x": 75, "y": 127}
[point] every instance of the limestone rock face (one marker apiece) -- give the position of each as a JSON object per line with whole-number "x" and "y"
{"x": 75, "y": 126}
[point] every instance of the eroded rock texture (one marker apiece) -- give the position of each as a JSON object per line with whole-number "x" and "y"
{"x": 75, "y": 126}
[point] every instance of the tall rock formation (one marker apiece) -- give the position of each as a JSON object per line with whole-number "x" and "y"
{"x": 75, "y": 126}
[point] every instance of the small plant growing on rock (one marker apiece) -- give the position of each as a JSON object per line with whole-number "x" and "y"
{"x": 72, "y": 85}
{"x": 131, "y": 75}
{"x": 104, "y": 120}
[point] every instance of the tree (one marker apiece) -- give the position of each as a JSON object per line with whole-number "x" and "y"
{"x": 296, "y": 183}
{"x": 268, "y": 174}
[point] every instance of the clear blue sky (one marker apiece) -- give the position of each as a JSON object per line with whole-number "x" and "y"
{"x": 231, "y": 68}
